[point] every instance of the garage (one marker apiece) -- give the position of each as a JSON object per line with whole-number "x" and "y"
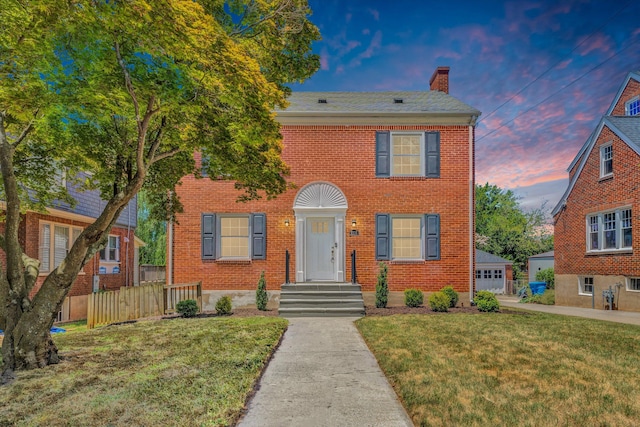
{"x": 492, "y": 272}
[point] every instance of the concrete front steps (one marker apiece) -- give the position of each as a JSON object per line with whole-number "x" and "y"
{"x": 316, "y": 299}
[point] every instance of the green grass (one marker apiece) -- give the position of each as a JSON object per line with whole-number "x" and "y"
{"x": 547, "y": 298}
{"x": 529, "y": 369}
{"x": 182, "y": 372}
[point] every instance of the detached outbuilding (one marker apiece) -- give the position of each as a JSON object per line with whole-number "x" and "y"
{"x": 493, "y": 273}
{"x": 540, "y": 262}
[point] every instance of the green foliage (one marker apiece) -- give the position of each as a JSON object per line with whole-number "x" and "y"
{"x": 486, "y": 301}
{"x": 505, "y": 229}
{"x": 382, "y": 286}
{"x": 413, "y": 297}
{"x": 152, "y": 231}
{"x": 452, "y": 294}
{"x": 547, "y": 276}
{"x": 439, "y": 301}
{"x": 261, "y": 293}
{"x": 547, "y": 298}
{"x": 187, "y": 308}
{"x": 223, "y": 306}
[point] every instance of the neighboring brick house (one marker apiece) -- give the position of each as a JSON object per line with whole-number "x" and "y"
{"x": 387, "y": 174}
{"x": 49, "y": 236}
{"x": 595, "y": 243}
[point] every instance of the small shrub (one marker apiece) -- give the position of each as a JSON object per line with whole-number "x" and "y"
{"x": 223, "y": 306}
{"x": 452, "y": 294}
{"x": 187, "y": 308}
{"x": 261, "y": 293}
{"x": 413, "y": 297}
{"x": 486, "y": 301}
{"x": 546, "y": 276}
{"x": 439, "y": 301}
{"x": 547, "y": 298}
{"x": 382, "y": 287}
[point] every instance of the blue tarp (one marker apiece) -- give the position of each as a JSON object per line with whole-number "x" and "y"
{"x": 537, "y": 288}
{"x": 54, "y": 330}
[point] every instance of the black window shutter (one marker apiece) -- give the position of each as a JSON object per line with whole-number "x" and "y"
{"x": 432, "y": 154}
{"x": 258, "y": 236}
{"x": 208, "y": 236}
{"x": 432, "y": 236}
{"x": 383, "y": 154}
{"x": 383, "y": 237}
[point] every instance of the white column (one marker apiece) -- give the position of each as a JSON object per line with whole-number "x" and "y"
{"x": 300, "y": 252}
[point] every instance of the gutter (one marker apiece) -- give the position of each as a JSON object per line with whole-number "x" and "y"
{"x": 472, "y": 250}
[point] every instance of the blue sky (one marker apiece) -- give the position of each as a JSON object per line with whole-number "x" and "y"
{"x": 557, "y": 63}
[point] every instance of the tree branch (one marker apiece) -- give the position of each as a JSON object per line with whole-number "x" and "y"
{"x": 241, "y": 30}
{"x": 25, "y": 132}
{"x": 128, "y": 83}
{"x": 156, "y": 141}
{"x": 164, "y": 155}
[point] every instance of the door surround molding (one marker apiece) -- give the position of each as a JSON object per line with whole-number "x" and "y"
{"x": 320, "y": 199}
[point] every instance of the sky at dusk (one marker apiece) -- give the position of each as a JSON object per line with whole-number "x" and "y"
{"x": 555, "y": 65}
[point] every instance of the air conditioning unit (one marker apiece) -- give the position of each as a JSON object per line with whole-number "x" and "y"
{"x": 96, "y": 283}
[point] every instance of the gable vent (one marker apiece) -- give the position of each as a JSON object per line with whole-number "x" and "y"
{"x": 398, "y": 100}
{"x": 322, "y": 101}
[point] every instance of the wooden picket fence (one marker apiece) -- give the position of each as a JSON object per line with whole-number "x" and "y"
{"x": 130, "y": 303}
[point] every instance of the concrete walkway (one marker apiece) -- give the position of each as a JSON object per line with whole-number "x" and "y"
{"x": 629, "y": 317}
{"x": 323, "y": 374}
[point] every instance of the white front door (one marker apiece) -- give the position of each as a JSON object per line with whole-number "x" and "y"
{"x": 320, "y": 249}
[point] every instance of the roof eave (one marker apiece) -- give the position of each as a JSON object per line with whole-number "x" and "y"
{"x": 378, "y": 117}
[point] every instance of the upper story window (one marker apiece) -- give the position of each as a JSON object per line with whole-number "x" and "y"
{"x": 632, "y": 107}
{"x": 606, "y": 160}
{"x": 408, "y": 154}
{"x": 111, "y": 252}
{"x": 609, "y": 231}
{"x": 55, "y": 242}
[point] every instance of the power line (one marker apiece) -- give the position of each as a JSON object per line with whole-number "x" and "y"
{"x": 556, "y": 64}
{"x": 558, "y": 91}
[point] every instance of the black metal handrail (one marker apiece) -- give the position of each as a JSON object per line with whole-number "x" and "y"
{"x": 354, "y": 273}
{"x": 287, "y": 258}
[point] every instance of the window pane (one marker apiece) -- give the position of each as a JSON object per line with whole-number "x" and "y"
{"x": 593, "y": 232}
{"x": 61, "y": 245}
{"x": 406, "y": 150}
{"x": 407, "y": 240}
{"x": 234, "y": 239}
{"x": 625, "y": 224}
{"x": 609, "y": 225}
{"x": 634, "y": 284}
{"x": 45, "y": 247}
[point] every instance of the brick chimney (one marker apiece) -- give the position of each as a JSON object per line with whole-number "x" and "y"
{"x": 440, "y": 79}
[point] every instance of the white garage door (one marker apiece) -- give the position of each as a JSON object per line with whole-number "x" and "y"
{"x": 490, "y": 279}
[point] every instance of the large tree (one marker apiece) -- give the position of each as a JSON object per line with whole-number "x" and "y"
{"x": 503, "y": 228}
{"x": 129, "y": 91}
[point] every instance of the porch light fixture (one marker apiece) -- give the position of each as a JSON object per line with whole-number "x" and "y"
{"x": 353, "y": 222}
{"x": 286, "y": 222}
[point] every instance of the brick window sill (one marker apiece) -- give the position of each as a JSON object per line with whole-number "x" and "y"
{"x": 408, "y": 262}
{"x": 234, "y": 261}
{"x": 408, "y": 178}
{"x": 606, "y": 178}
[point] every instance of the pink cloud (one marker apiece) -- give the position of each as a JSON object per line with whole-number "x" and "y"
{"x": 324, "y": 60}
{"x": 374, "y": 13}
{"x": 597, "y": 42}
{"x": 366, "y": 31}
{"x": 348, "y": 17}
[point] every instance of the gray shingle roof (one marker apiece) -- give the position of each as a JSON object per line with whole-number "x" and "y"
{"x": 377, "y": 102}
{"x": 629, "y": 126}
{"x": 483, "y": 257}
{"x": 549, "y": 254}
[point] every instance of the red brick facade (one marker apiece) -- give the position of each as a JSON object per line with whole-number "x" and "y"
{"x": 593, "y": 194}
{"x": 345, "y": 157}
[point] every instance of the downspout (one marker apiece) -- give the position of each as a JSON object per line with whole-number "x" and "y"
{"x": 471, "y": 209}
{"x": 126, "y": 264}
{"x": 169, "y": 272}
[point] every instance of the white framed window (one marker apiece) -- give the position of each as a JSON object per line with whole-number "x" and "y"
{"x": 606, "y": 160}
{"x": 610, "y": 231}
{"x": 406, "y": 238}
{"x": 111, "y": 252}
{"x": 55, "y": 240}
{"x": 585, "y": 285}
{"x": 632, "y": 106}
{"x": 487, "y": 274}
{"x": 497, "y": 274}
{"x": 633, "y": 284}
{"x": 234, "y": 236}
{"x": 407, "y": 154}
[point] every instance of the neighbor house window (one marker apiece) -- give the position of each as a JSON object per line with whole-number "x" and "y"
{"x": 632, "y": 107}
{"x": 586, "y": 285}
{"x": 633, "y": 284}
{"x": 497, "y": 274}
{"x": 111, "y": 252}
{"x": 606, "y": 160}
{"x": 406, "y": 238}
{"x": 487, "y": 274}
{"x": 607, "y": 231}
{"x": 407, "y": 158}
{"x": 55, "y": 242}
{"x": 478, "y": 274}
{"x": 234, "y": 237}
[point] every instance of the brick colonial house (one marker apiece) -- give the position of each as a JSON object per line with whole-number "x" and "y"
{"x": 387, "y": 174}
{"x": 49, "y": 236}
{"x": 596, "y": 245}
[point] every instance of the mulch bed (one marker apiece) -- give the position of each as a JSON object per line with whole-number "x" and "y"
{"x": 390, "y": 311}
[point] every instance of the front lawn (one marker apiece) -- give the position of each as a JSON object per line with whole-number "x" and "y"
{"x": 181, "y": 372}
{"x": 525, "y": 369}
